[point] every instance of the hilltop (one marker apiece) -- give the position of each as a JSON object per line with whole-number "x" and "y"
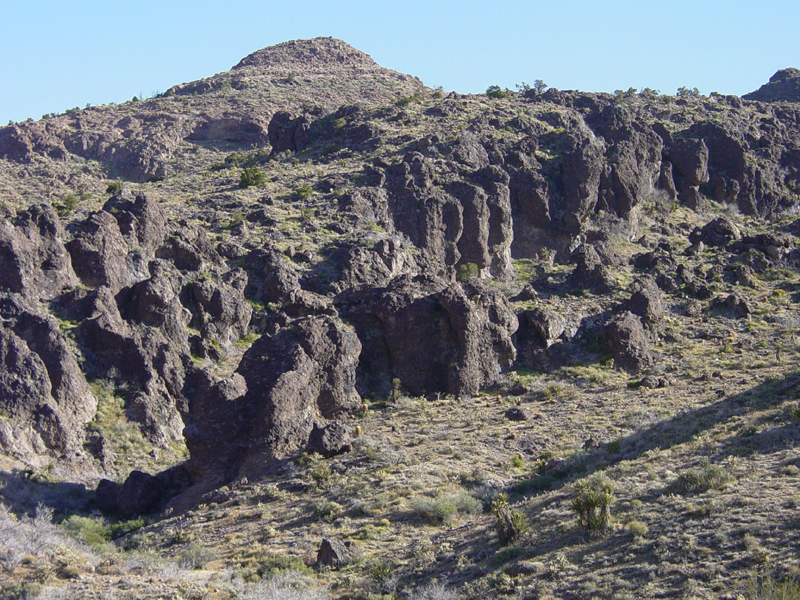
{"x": 310, "y": 297}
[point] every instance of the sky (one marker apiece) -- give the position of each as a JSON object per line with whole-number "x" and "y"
{"x": 55, "y": 55}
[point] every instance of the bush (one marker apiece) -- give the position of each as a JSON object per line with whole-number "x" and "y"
{"x": 592, "y": 502}
{"x": 272, "y": 567}
{"x": 252, "y": 177}
{"x": 495, "y": 91}
{"x": 467, "y": 271}
{"x": 684, "y": 91}
{"x": 696, "y": 481}
{"x": 304, "y": 192}
{"x": 438, "y": 511}
{"x": 195, "y": 557}
{"x": 92, "y": 532}
{"x": 509, "y": 524}
{"x": 114, "y": 187}
{"x": 769, "y": 588}
{"x": 325, "y": 509}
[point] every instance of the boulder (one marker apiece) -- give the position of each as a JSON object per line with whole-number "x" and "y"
{"x": 645, "y": 302}
{"x": 590, "y": 272}
{"x": 286, "y": 385}
{"x": 431, "y": 334}
{"x": 337, "y": 553}
{"x": 33, "y": 259}
{"x": 626, "y": 341}
{"x": 718, "y": 232}
{"x": 140, "y": 494}
{"x": 330, "y": 439}
{"x": 518, "y": 413}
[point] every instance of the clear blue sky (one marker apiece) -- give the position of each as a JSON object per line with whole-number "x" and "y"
{"x": 56, "y": 54}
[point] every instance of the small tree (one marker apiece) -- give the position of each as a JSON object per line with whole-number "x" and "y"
{"x": 539, "y": 85}
{"x": 684, "y": 91}
{"x": 509, "y": 524}
{"x": 592, "y": 502}
{"x": 252, "y": 176}
{"x": 495, "y": 91}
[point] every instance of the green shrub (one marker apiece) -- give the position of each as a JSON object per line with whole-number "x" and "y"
{"x": 467, "y": 271}
{"x": 92, "y": 532}
{"x": 695, "y": 481}
{"x": 495, "y": 91}
{"x": 321, "y": 474}
{"x": 406, "y": 100}
{"x": 114, "y": 187}
{"x": 252, "y": 177}
{"x": 438, "y": 511}
{"x": 592, "y": 502}
{"x": 338, "y": 123}
{"x": 684, "y": 91}
{"x": 509, "y": 524}
{"x": 325, "y": 509}
{"x": 304, "y": 192}
{"x": 274, "y": 566}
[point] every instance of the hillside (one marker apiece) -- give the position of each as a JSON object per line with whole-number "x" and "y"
{"x": 311, "y": 298}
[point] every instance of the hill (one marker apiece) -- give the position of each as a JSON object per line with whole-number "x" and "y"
{"x": 310, "y": 297}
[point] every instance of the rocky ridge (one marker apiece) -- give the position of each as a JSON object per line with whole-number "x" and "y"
{"x": 404, "y": 242}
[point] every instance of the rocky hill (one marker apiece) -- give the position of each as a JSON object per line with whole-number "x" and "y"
{"x": 314, "y": 283}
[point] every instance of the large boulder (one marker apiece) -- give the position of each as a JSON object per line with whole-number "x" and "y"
{"x": 286, "y": 386}
{"x": 626, "y": 341}
{"x": 431, "y": 335}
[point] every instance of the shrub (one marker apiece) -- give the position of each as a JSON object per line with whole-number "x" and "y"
{"x": 114, "y": 187}
{"x": 695, "y": 481}
{"x": 769, "y": 588}
{"x": 433, "y": 591}
{"x": 406, "y": 100}
{"x": 685, "y": 91}
{"x": 195, "y": 557}
{"x": 68, "y": 205}
{"x": 495, "y": 91}
{"x": 325, "y": 509}
{"x": 442, "y": 509}
{"x": 509, "y": 524}
{"x": 252, "y": 177}
{"x": 592, "y": 502}
{"x": 467, "y": 271}
{"x": 92, "y": 532}
{"x": 304, "y": 192}
{"x": 273, "y": 567}
{"x": 637, "y": 529}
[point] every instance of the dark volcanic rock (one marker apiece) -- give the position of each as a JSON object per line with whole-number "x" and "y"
{"x": 431, "y": 335}
{"x": 33, "y": 260}
{"x": 645, "y": 302}
{"x": 627, "y": 342}
{"x": 590, "y": 272}
{"x": 719, "y": 232}
{"x": 286, "y": 385}
{"x": 337, "y": 553}
{"x": 141, "y": 493}
{"x": 42, "y": 389}
{"x": 783, "y": 86}
{"x": 330, "y": 439}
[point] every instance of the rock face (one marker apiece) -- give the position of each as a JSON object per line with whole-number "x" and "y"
{"x": 783, "y": 86}
{"x": 286, "y": 387}
{"x": 222, "y": 317}
{"x": 430, "y": 335}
